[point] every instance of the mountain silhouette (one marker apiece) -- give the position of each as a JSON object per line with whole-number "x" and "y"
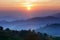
{"x": 51, "y": 29}
{"x": 32, "y": 23}
{"x": 57, "y": 15}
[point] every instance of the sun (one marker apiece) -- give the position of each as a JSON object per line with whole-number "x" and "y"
{"x": 28, "y": 6}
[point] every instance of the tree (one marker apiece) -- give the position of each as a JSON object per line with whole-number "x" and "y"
{"x": 1, "y": 28}
{"x": 7, "y": 29}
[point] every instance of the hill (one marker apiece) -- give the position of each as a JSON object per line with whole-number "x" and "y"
{"x": 32, "y": 23}
{"x": 51, "y": 29}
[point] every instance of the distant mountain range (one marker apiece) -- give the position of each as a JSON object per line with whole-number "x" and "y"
{"x": 35, "y": 19}
{"x": 11, "y": 18}
{"x": 56, "y": 15}
{"x": 32, "y": 23}
{"x": 43, "y": 18}
{"x": 51, "y": 29}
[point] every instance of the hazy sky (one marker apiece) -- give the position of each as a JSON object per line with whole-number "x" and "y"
{"x": 17, "y": 9}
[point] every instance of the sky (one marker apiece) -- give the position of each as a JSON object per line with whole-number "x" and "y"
{"x": 24, "y": 9}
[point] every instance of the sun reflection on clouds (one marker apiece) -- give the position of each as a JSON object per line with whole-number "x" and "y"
{"x": 30, "y": 3}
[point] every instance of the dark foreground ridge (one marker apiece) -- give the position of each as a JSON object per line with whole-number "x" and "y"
{"x": 8, "y": 34}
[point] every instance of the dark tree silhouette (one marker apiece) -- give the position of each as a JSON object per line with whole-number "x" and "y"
{"x": 1, "y": 28}
{"x": 8, "y": 34}
{"x": 7, "y": 29}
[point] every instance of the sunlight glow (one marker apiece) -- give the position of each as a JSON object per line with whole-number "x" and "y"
{"x": 29, "y": 6}
{"x": 30, "y": 3}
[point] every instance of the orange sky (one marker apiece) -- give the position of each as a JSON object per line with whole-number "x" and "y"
{"x": 37, "y": 4}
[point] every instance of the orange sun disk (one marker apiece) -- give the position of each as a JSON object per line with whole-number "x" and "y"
{"x": 29, "y": 6}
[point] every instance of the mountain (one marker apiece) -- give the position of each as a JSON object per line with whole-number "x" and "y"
{"x": 7, "y": 18}
{"x": 40, "y": 18}
{"x": 32, "y": 23}
{"x": 56, "y": 15}
{"x": 51, "y": 29}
